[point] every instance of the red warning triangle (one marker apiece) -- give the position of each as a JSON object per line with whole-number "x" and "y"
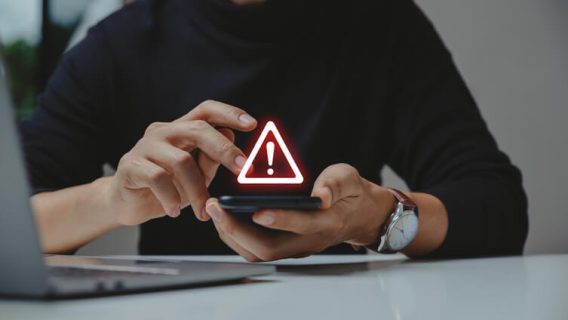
{"x": 278, "y": 171}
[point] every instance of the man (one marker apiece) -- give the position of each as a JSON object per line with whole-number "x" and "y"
{"x": 356, "y": 85}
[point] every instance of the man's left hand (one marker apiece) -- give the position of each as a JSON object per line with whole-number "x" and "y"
{"x": 353, "y": 211}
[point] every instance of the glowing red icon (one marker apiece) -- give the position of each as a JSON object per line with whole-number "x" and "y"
{"x": 268, "y": 167}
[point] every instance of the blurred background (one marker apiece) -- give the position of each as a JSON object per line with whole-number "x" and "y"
{"x": 512, "y": 53}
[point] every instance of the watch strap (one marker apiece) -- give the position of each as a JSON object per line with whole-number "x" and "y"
{"x": 402, "y": 198}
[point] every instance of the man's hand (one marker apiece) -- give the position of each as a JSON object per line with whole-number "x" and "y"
{"x": 352, "y": 211}
{"x": 173, "y": 164}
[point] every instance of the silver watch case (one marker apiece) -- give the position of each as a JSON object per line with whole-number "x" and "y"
{"x": 400, "y": 211}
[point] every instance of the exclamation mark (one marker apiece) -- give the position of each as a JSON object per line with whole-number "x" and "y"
{"x": 270, "y": 154}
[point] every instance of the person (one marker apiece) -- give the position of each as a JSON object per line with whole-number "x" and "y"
{"x": 168, "y": 92}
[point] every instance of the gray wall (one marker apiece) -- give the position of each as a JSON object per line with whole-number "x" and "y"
{"x": 514, "y": 56}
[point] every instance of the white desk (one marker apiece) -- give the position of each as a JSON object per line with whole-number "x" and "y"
{"x": 532, "y": 287}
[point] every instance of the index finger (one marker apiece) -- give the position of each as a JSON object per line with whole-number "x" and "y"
{"x": 221, "y": 115}
{"x": 201, "y": 135}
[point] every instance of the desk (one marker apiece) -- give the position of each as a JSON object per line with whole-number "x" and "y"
{"x": 531, "y": 287}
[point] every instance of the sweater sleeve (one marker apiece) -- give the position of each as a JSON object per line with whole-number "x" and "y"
{"x": 66, "y": 139}
{"x": 441, "y": 145}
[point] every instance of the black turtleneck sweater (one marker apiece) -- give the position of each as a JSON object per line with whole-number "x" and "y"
{"x": 367, "y": 83}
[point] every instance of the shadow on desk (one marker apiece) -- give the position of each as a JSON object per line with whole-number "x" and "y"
{"x": 339, "y": 269}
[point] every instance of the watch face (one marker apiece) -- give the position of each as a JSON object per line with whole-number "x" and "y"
{"x": 403, "y": 230}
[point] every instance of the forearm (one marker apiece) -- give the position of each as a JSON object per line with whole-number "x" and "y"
{"x": 487, "y": 215}
{"x": 433, "y": 225}
{"x": 70, "y": 218}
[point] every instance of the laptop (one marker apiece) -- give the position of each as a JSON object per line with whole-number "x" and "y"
{"x": 26, "y": 272}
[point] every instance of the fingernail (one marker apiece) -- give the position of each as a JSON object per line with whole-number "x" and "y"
{"x": 265, "y": 219}
{"x": 176, "y": 212}
{"x": 214, "y": 212}
{"x": 240, "y": 161}
{"x": 203, "y": 214}
{"x": 246, "y": 119}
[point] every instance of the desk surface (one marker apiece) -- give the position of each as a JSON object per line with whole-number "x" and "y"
{"x": 531, "y": 287}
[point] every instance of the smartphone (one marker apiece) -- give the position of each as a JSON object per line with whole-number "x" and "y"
{"x": 250, "y": 204}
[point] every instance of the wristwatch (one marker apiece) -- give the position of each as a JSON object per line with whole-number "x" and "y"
{"x": 400, "y": 227}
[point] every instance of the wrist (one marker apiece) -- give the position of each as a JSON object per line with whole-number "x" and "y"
{"x": 106, "y": 202}
{"x": 382, "y": 203}
{"x": 385, "y": 204}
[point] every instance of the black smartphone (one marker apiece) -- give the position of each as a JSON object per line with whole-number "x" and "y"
{"x": 250, "y": 204}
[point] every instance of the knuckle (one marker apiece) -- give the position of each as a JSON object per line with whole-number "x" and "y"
{"x": 346, "y": 170}
{"x": 352, "y": 171}
{"x": 198, "y": 125}
{"x": 182, "y": 158}
{"x": 341, "y": 166}
{"x": 225, "y": 147}
{"x": 129, "y": 161}
{"x": 207, "y": 103}
{"x": 153, "y": 126}
{"x": 158, "y": 175}
{"x": 125, "y": 160}
{"x": 185, "y": 126}
{"x": 140, "y": 143}
{"x": 204, "y": 106}
{"x": 232, "y": 112}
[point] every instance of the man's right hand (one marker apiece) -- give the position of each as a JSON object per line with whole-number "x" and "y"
{"x": 174, "y": 163}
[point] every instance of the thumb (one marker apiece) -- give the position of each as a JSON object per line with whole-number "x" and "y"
{"x": 325, "y": 195}
{"x": 336, "y": 182}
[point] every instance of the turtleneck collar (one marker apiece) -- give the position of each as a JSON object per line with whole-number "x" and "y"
{"x": 268, "y": 22}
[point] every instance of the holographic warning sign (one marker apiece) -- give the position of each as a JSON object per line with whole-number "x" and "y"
{"x": 270, "y": 161}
